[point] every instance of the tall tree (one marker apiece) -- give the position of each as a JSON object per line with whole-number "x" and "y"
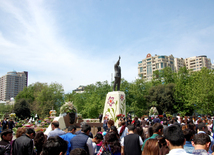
{"x": 22, "y": 109}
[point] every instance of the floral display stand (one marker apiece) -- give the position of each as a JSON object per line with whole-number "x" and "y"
{"x": 153, "y": 112}
{"x": 115, "y": 104}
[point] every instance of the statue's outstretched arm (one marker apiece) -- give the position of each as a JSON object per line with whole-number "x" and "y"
{"x": 118, "y": 62}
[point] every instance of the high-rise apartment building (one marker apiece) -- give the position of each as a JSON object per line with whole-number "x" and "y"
{"x": 197, "y": 62}
{"x": 147, "y": 66}
{"x": 12, "y": 83}
{"x": 178, "y": 62}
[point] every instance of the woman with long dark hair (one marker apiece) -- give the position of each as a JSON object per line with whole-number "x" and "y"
{"x": 39, "y": 140}
{"x": 111, "y": 144}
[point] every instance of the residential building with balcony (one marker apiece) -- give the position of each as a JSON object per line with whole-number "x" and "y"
{"x": 147, "y": 66}
{"x": 12, "y": 83}
{"x": 197, "y": 62}
{"x": 178, "y": 62}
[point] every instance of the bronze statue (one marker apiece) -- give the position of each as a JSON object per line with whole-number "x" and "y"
{"x": 117, "y": 76}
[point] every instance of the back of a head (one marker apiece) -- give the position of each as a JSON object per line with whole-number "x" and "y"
{"x": 86, "y": 128}
{"x": 201, "y": 126}
{"x": 188, "y": 134}
{"x": 55, "y": 124}
{"x": 131, "y": 127}
{"x": 39, "y": 138}
{"x": 78, "y": 151}
{"x": 30, "y": 131}
{"x": 151, "y": 147}
{"x": 99, "y": 136}
{"x": 98, "y": 129}
{"x": 174, "y": 135}
{"x": 156, "y": 127}
{"x": 71, "y": 127}
{"x": 201, "y": 139}
{"x": 20, "y": 131}
{"x": 111, "y": 122}
{"x": 123, "y": 123}
{"x": 54, "y": 145}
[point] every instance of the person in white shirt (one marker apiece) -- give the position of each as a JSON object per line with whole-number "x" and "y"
{"x": 175, "y": 140}
{"x": 123, "y": 130}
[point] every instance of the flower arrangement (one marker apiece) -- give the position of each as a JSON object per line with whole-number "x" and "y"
{"x": 68, "y": 107}
{"x": 153, "y": 111}
{"x": 12, "y": 115}
{"x": 120, "y": 115}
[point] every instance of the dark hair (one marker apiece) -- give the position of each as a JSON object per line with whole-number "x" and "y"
{"x": 99, "y": 136}
{"x": 174, "y": 135}
{"x": 201, "y": 139}
{"x": 188, "y": 134}
{"x": 5, "y": 132}
{"x": 39, "y": 140}
{"x": 201, "y": 126}
{"x": 139, "y": 131}
{"x": 78, "y": 151}
{"x": 114, "y": 129}
{"x": 54, "y": 145}
{"x": 131, "y": 127}
{"x": 98, "y": 129}
{"x": 30, "y": 131}
{"x": 123, "y": 123}
{"x": 164, "y": 122}
{"x": 86, "y": 128}
{"x": 151, "y": 147}
{"x": 156, "y": 127}
{"x": 55, "y": 124}
{"x": 191, "y": 126}
{"x": 112, "y": 141}
{"x": 71, "y": 127}
{"x": 150, "y": 131}
{"x": 164, "y": 149}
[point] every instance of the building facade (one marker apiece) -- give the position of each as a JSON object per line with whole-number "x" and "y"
{"x": 147, "y": 66}
{"x": 12, "y": 83}
{"x": 178, "y": 62}
{"x": 197, "y": 62}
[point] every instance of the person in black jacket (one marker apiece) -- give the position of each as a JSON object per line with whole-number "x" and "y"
{"x": 6, "y": 137}
{"x": 24, "y": 144}
{"x": 4, "y": 124}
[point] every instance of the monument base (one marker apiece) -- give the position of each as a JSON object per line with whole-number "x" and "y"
{"x": 115, "y": 104}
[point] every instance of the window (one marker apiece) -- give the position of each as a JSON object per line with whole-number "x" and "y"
{"x": 171, "y": 62}
{"x": 148, "y": 63}
{"x": 139, "y": 62}
{"x": 149, "y": 69}
{"x": 161, "y": 64}
{"x": 141, "y": 69}
{"x": 157, "y": 65}
{"x": 148, "y": 59}
{"x": 162, "y": 57}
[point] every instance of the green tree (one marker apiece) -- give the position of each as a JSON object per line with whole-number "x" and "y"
{"x": 43, "y": 97}
{"x": 22, "y": 109}
{"x": 163, "y": 95}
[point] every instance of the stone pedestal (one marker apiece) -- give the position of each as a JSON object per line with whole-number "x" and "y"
{"x": 115, "y": 104}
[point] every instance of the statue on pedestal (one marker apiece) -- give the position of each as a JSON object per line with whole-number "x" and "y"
{"x": 117, "y": 76}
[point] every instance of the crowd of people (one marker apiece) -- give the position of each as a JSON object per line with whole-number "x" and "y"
{"x": 145, "y": 136}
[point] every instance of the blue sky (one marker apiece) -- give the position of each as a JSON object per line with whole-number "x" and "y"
{"x": 77, "y": 42}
